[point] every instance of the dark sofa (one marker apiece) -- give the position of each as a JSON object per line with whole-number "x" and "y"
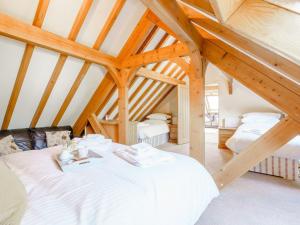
{"x": 32, "y": 138}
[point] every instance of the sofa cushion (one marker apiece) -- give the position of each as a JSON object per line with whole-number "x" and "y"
{"x": 8, "y": 146}
{"x": 38, "y": 135}
{"x": 21, "y": 138}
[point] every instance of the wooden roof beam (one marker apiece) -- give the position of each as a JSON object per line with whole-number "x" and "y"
{"x": 158, "y": 55}
{"x": 153, "y": 75}
{"x": 203, "y": 5}
{"x": 84, "y": 69}
{"x": 273, "y": 59}
{"x": 84, "y": 9}
{"x": 260, "y": 83}
{"x": 182, "y": 64}
{"x": 38, "y": 21}
{"x": 172, "y": 15}
{"x": 132, "y": 45}
{"x": 33, "y": 35}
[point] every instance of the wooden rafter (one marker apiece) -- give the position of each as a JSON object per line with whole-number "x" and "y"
{"x": 170, "y": 13}
{"x": 159, "y": 55}
{"x": 16, "y": 29}
{"x": 152, "y": 75}
{"x": 263, "y": 147}
{"x": 260, "y": 83}
{"x": 84, "y": 9}
{"x": 203, "y": 5}
{"x": 262, "y": 80}
{"x": 162, "y": 92}
{"x": 273, "y": 59}
{"x": 136, "y": 39}
{"x": 182, "y": 63}
{"x": 146, "y": 92}
{"x": 38, "y": 21}
{"x": 96, "y": 126}
{"x": 142, "y": 48}
{"x": 83, "y": 71}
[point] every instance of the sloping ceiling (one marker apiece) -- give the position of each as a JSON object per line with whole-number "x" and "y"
{"x": 107, "y": 26}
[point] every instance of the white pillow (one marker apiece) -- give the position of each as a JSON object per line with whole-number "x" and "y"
{"x": 159, "y": 116}
{"x": 259, "y": 117}
{"x": 254, "y": 120}
{"x": 262, "y": 115}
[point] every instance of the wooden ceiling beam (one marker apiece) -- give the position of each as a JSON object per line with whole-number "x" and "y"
{"x": 274, "y": 92}
{"x": 84, "y": 69}
{"x": 132, "y": 45}
{"x": 273, "y": 59}
{"x": 141, "y": 111}
{"x": 33, "y": 35}
{"x": 158, "y": 55}
{"x": 37, "y": 21}
{"x": 172, "y": 15}
{"x": 162, "y": 93}
{"x": 141, "y": 48}
{"x": 146, "y": 92}
{"x": 182, "y": 64}
{"x": 153, "y": 75}
{"x": 83, "y": 11}
{"x": 202, "y": 4}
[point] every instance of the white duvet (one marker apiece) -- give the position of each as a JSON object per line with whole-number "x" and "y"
{"x": 249, "y": 132}
{"x": 151, "y": 128}
{"x": 113, "y": 192}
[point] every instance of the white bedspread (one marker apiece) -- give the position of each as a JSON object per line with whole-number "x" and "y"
{"x": 113, "y": 192}
{"x": 151, "y": 128}
{"x": 248, "y": 133}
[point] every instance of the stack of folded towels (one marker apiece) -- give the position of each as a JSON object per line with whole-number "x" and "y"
{"x": 144, "y": 155}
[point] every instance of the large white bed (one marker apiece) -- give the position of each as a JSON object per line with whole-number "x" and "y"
{"x": 113, "y": 192}
{"x": 285, "y": 162}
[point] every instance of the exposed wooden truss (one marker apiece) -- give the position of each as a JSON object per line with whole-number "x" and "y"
{"x": 159, "y": 55}
{"x": 82, "y": 73}
{"x": 200, "y": 37}
{"x": 152, "y": 75}
{"x": 274, "y": 60}
{"x": 38, "y": 21}
{"x": 86, "y": 5}
{"x": 132, "y": 45}
{"x": 16, "y": 29}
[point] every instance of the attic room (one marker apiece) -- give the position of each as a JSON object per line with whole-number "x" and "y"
{"x": 142, "y": 112}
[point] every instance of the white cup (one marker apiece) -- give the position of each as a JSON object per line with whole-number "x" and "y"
{"x": 83, "y": 152}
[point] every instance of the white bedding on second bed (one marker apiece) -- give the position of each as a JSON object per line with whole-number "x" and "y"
{"x": 113, "y": 192}
{"x": 249, "y": 132}
{"x": 151, "y": 128}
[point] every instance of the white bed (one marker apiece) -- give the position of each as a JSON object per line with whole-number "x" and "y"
{"x": 284, "y": 162}
{"x": 112, "y": 192}
{"x": 154, "y": 132}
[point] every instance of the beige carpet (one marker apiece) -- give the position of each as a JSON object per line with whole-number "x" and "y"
{"x": 253, "y": 199}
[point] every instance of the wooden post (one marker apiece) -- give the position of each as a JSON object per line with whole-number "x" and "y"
{"x": 123, "y": 88}
{"x": 197, "y": 107}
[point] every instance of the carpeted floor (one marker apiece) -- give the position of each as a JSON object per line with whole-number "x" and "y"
{"x": 253, "y": 199}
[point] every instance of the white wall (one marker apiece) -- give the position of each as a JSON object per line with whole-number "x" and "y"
{"x": 169, "y": 104}
{"x": 242, "y": 100}
{"x": 231, "y": 107}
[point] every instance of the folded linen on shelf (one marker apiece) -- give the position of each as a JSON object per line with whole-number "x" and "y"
{"x": 148, "y": 158}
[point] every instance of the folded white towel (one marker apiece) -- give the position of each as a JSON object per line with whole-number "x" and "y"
{"x": 157, "y": 158}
